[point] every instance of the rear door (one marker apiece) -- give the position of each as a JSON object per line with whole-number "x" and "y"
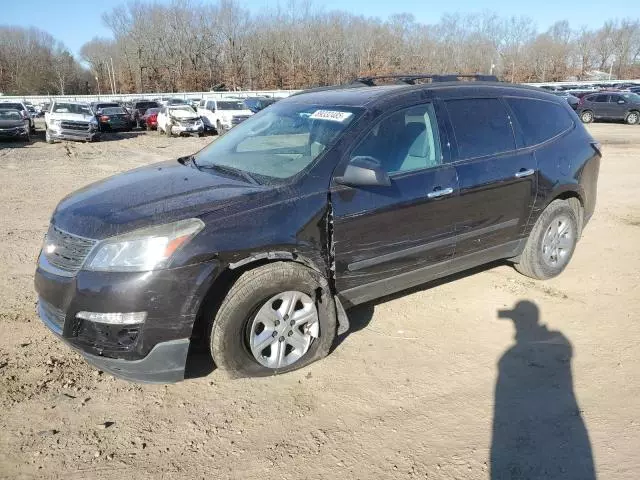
{"x": 498, "y": 182}
{"x": 383, "y": 235}
{"x": 600, "y": 105}
{"x": 617, "y": 107}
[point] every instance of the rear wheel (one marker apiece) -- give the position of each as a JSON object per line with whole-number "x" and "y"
{"x": 276, "y": 318}
{"x": 551, "y": 242}
{"x": 586, "y": 116}
{"x": 632, "y": 118}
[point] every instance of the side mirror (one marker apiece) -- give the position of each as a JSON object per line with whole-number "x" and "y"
{"x": 364, "y": 171}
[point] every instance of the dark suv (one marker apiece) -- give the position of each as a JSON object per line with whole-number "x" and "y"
{"x": 261, "y": 240}
{"x": 610, "y": 106}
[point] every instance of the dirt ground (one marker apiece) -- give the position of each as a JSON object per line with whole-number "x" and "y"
{"x": 409, "y": 393}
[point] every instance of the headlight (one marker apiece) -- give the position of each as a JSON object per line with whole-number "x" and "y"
{"x": 56, "y": 123}
{"x": 143, "y": 250}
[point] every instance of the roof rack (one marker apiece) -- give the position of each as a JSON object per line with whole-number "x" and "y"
{"x": 414, "y": 78}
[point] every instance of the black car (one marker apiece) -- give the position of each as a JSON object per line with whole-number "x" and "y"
{"x": 139, "y": 108}
{"x": 24, "y": 112}
{"x": 610, "y": 106}
{"x": 259, "y": 242}
{"x": 13, "y": 125}
{"x": 114, "y": 118}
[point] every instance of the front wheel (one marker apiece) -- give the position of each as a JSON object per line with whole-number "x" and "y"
{"x": 551, "y": 242}
{"x": 276, "y": 318}
{"x": 586, "y": 116}
{"x": 632, "y": 118}
{"x": 47, "y": 136}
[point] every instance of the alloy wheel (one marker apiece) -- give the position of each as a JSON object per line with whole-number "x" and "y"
{"x": 558, "y": 241}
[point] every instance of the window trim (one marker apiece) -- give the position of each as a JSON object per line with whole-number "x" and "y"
{"x": 346, "y": 158}
{"x": 517, "y": 122}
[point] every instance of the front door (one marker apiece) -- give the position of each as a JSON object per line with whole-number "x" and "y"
{"x": 498, "y": 183}
{"x": 385, "y": 236}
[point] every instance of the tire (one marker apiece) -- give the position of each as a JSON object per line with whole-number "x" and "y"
{"x": 632, "y": 118}
{"x": 47, "y": 137}
{"x": 536, "y": 260}
{"x": 586, "y": 116}
{"x": 237, "y": 321}
{"x": 148, "y": 128}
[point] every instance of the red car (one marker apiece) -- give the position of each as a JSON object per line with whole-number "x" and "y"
{"x": 150, "y": 119}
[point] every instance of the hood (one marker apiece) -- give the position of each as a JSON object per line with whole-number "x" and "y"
{"x": 12, "y": 123}
{"x": 183, "y": 115}
{"x": 151, "y": 195}
{"x": 79, "y": 117}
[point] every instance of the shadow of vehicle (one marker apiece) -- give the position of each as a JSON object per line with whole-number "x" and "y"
{"x": 116, "y": 135}
{"x": 538, "y": 430}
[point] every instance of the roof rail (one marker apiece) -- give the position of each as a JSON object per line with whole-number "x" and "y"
{"x": 413, "y": 78}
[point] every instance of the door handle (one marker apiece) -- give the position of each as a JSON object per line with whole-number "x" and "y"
{"x": 440, "y": 192}
{"x": 525, "y": 173}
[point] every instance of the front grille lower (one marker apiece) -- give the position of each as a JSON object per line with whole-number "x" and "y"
{"x": 52, "y": 316}
{"x": 66, "y": 251}
{"x": 76, "y": 126}
{"x": 236, "y": 119}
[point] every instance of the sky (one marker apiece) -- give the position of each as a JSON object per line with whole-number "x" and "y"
{"x": 75, "y": 22}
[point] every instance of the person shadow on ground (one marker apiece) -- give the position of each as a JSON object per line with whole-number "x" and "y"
{"x": 538, "y": 430}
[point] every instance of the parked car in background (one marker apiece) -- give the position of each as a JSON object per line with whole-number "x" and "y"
{"x": 149, "y": 119}
{"x": 610, "y": 106}
{"x": 24, "y": 112}
{"x": 224, "y": 114}
{"x": 179, "y": 120}
{"x": 176, "y": 101}
{"x": 114, "y": 118}
{"x": 255, "y": 104}
{"x": 14, "y": 125}
{"x": 71, "y": 121}
{"x": 44, "y": 108}
{"x": 139, "y": 108}
{"x": 572, "y": 100}
{"x": 97, "y": 107}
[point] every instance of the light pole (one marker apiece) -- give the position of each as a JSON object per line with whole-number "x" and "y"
{"x": 613, "y": 60}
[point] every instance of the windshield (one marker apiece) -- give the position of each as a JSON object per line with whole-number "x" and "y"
{"x": 183, "y": 108}
{"x": 72, "y": 108}
{"x": 142, "y": 105}
{"x": 176, "y": 101}
{"x": 10, "y": 115}
{"x": 152, "y": 111}
{"x": 113, "y": 111}
{"x": 16, "y": 106}
{"x": 234, "y": 105}
{"x": 279, "y": 142}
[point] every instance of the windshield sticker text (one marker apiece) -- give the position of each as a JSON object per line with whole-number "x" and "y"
{"x": 331, "y": 115}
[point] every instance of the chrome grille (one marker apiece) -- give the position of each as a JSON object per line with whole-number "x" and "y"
{"x": 66, "y": 251}
{"x": 71, "y": 125}
{"x": 53, "y": 317}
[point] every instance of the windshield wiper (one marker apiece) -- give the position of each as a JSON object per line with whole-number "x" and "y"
{"x": 236, "y": 172}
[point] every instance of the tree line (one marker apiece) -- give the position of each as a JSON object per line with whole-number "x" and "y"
{"x": 188, "y": 46}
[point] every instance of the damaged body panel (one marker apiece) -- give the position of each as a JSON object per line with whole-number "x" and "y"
{"x": 365, "y": 191}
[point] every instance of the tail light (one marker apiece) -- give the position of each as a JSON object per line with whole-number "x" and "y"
{"x": 104, "y": 118}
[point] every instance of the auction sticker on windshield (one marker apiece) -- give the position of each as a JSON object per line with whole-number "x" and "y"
{"x": 333, "y": 115}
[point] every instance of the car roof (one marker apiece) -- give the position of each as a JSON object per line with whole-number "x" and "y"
{"x": 357, "y": 96}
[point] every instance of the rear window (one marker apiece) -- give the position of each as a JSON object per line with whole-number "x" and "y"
{"x": 481, "y": 126}
{"x": 15, "y": 106}
{"x": 540, "y": 120}
{"x": 146, "y": 105}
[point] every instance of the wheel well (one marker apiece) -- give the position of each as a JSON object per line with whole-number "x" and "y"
{"x": 575, "y": 201}
{"x": 217, "y": 293}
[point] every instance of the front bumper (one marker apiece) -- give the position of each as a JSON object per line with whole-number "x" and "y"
{"x": 18, "y": 132}
{"x": 152, "y": 351}
{"x": 181, "y": 130}
{"x": 73, "y": 135}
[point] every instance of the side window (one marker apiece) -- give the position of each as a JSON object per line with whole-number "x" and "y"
{"x": 201, "y": 103}
{"x": 540, "y": 120}
{"x": 615, "y": 99}
{"x": 481, "y": 127}
{"x": 211, "y": 106}
{"x": 600, "y": 98}
{"x": 404, "y": 141}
